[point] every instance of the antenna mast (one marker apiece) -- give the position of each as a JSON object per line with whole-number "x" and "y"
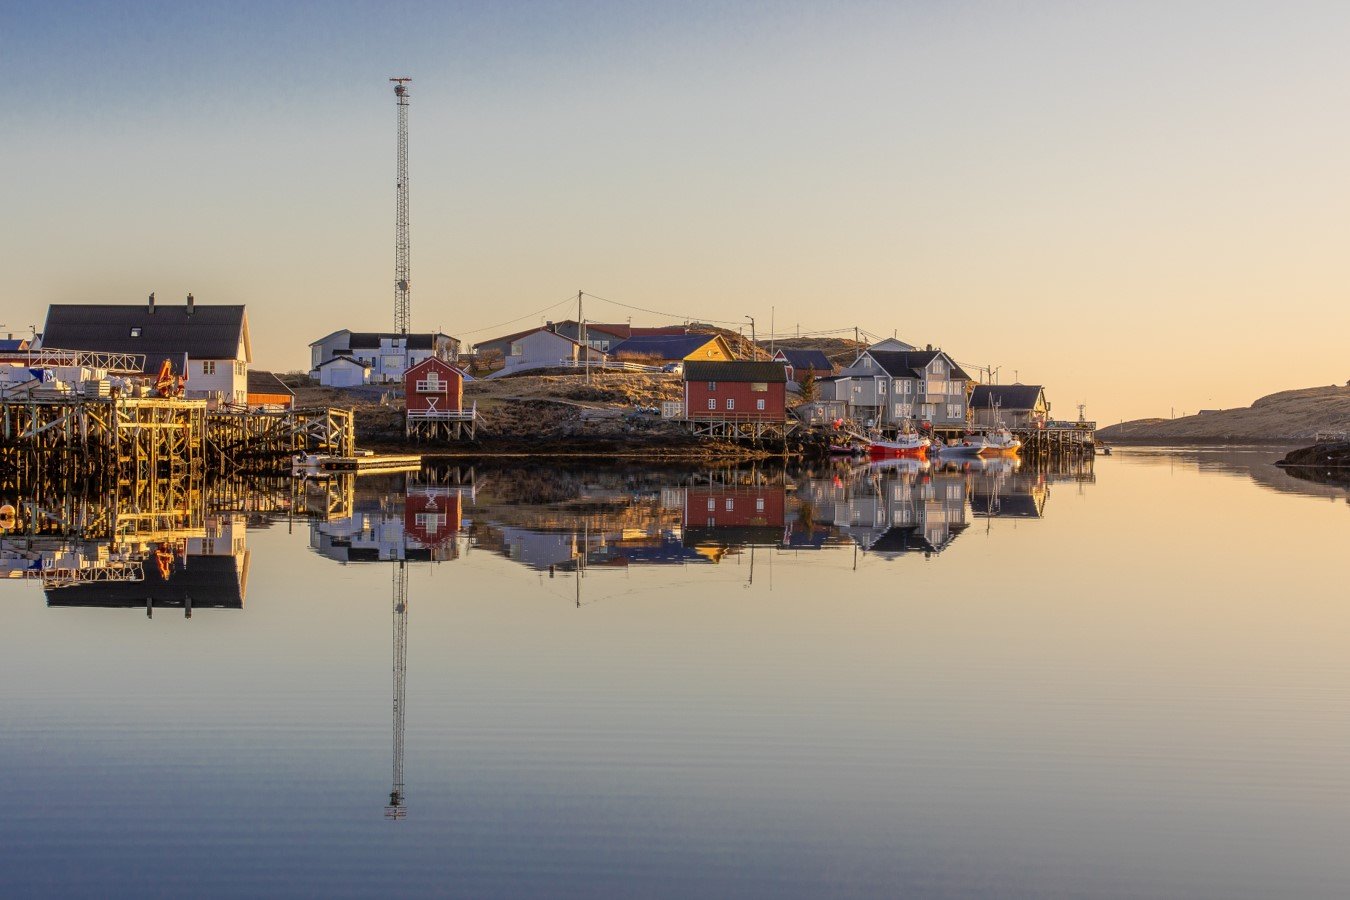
{"x": 402, "y": 285}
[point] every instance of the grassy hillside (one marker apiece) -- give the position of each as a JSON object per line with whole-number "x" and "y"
{"x": 1289, "y": 416}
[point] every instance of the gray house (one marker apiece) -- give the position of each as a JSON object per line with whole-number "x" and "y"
{"x": 892, "y": 387}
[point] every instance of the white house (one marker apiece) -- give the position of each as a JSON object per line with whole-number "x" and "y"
{"x": 210, "y": 344}
{"x": 343, "y": 371}
{"x": 387, "y": 354}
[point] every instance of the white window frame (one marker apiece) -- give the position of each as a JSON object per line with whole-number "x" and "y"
{"x": 712, "y": 403}
{"x": 759, "y": 404}
{"x": 731, "y": 403}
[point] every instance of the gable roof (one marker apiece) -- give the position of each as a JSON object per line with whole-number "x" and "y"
{"x": 1005, "y": 396}
{"x": 815, "y": 360}
{"x": 666, "y": 346}
{"x": 434, "y": 362}
{"x": 370, "y": 340}
{"x": 911, "y": 363}
{"x": 210, "y": 332}
{"x": 739, "y": 370}
{"x": 267, "y": 383}
{"x": 13, "y": 346}
{"x": 345, "y": 359}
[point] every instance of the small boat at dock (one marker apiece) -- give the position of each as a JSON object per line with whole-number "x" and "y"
{"x": 318, "y": 465}
{"x": 905, "y": 444}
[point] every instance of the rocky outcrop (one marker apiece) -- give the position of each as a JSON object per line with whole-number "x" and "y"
{"x": 1284, "y": 418}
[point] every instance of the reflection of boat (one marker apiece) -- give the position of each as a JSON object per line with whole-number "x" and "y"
{"x": 905, "y": 444}
{"x": 906, "y": 466}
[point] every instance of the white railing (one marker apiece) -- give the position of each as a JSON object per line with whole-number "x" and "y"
{"x": 53, "y": 356}
{"x": 1331, "y": 437}
{"x": 445, "y": 415}
{"x": 613, "y": 365}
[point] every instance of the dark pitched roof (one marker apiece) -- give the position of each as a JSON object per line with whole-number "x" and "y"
{"x": 211, "y": 332}
{"x": 666, "y": 346}
{"x": 347, "y": 359}
{"x": 370, "y": 340}
{"x": 807, "y": 359}
{"x": 207, "y": 580}
{"x": 13, "y": 346}
{"x": 741, "y": 370}
{"x": 267, "y": 383}
{"x": 911, "y": 363}
{"x": 1005, "y": 396}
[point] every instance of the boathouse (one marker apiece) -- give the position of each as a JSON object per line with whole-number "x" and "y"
{"x": 209, "y": 344}
{"x": 267, "y": 391}
{"x": 433, "y": 393}
{"x": 739, "y": 399}
{"x": 1016, "y": 405}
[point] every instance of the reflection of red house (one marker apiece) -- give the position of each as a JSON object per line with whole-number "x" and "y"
{"x": 432, "y": 516}
{"x": 734, "y": 506}
{"x": 433, "y": 386}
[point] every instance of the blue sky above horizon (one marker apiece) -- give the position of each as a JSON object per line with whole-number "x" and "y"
{"x": 1049, "y": 187}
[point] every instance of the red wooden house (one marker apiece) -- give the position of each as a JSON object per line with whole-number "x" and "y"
{"x": 735, "y": 391}
{"x": 432, "y": 517}
{"x": 433, "y": 392}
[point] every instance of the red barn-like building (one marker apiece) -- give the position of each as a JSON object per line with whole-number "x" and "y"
{"x": 735, "y": 391}
{"x": 433, "y": 392}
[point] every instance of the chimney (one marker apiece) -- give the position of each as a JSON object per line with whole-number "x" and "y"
{"x": 152, "y": 303}
{"x": 551, "y": 327}
{"x": 930, "y": 346}
{"x": 189, "y": 306}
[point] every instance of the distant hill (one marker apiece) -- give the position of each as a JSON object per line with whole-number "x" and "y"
{"x": 1286, "y": 417}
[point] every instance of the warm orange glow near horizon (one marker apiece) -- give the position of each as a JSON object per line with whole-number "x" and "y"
{"x": 1141, "y": 208}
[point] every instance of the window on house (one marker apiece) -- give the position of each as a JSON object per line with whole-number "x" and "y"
{"x": 712, "y": 385}
{"x": 712, "y": 403}
{"x": 516, "y": 350}
{"x": 135, "y": 331}
{"x": 731, "y": 403}
{"x": 731, "y": 504}
{"x": 209, "y": 367}
{"x": 881, "y": 387}
{"x": 759, "y": 404}
{"x": 759, "y": 504}
{"x": 953, "y": 410}
{"x": 712, "y": 504}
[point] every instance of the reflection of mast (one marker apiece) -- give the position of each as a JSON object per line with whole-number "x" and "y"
{"x": 395, "y": 809}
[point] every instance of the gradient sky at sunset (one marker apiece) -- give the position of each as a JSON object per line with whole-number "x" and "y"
{"x": 1143, "y": 205}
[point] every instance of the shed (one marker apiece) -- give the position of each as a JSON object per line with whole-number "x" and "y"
{"x": 343, "y": 371}
{"x": 1015, "y": 405}
{"x": 433, "y": 386}
{"x": 267, "y": 390}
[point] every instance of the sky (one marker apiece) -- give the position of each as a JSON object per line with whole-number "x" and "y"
{"x": 1143, "y": 206}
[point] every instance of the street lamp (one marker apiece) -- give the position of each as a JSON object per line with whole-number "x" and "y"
{"x": 754, "y": 347}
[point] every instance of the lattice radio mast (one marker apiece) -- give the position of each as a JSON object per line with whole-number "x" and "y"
{"x": 402, "y": 285}
{"x": 396, "y": 808}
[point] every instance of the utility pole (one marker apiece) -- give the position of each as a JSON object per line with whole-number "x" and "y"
{"x": 402, "y": 284}
{"x": 581, "y": 331}
{"x": 754, "y": 348}
{"x": 772, "y": 311}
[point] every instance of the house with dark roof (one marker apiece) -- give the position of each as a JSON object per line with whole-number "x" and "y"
{"x": 801, "y": 362}
{"x": 209, "y": 344}
{"x": 661, "y": 349}
{"x": 890, "y": 388}
{"x": 735, "y": 391}
{"x": 266, "y": 390}
{"x": 544, "y": 348}
{"x": 1015, "y": 405}
{"x": 387, "y": 354}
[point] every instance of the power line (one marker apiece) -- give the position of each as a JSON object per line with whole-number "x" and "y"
{"x": 657, "y": 312}
{"x": 568, "y": 299}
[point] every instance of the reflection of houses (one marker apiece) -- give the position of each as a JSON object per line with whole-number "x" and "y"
{"x": 422, "y": 524}
{"x": 891, "y": 509}
{"x": 721, "y": 518}
{"x": 201, "y": 572}
{"x": 1008, "y": 494}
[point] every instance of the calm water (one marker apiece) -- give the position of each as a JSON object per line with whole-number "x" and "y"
{"x": 1125, "y": 681}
